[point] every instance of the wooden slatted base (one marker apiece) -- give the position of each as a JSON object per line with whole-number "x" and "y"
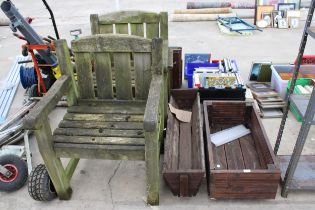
{"x": 101, "y": 129}
{"x": 243, "y": 168}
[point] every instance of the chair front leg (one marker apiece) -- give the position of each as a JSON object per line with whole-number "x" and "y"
{"x": 152, "y": 160}
{"x": 52, "y": 162}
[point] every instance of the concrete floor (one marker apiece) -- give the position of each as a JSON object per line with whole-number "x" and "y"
{"x": 99, "y": 184}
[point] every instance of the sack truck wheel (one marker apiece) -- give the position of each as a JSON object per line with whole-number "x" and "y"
{"x": 18, "y": 168}
{"x": 40, "y": 187}
{"x": 33, "y": 91}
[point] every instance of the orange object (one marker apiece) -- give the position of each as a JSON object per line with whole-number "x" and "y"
{"x": 288, "y": 76}
{"x": 311, "y": 76}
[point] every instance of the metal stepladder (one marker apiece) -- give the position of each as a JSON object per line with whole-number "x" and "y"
{"x": 291, "y": 180}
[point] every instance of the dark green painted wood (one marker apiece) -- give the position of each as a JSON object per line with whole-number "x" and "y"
{"x": 152, "y": 30}
{"x": 94, "y": 24}
{"x": 121, "y": 28}
{"x": 137, "y": 29}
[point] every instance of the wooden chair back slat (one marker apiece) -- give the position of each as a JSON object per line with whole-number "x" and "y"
{"x": 84, "y": 75}
{"x": 122, "y": 64}
{"x": 142, "y": 64}
{"x": 103, "y": 73}
{"x": 139, "y": 23}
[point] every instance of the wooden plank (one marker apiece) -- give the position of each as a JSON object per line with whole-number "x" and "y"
{"x": 98, "y": 140}
{"x": 176, "y": 72}
{"x": 137, "y": 29}
{"x": 121, "y": 28}
{"x": 71, "y": 166}
{"x": 184, "y": 146}
{"x": 123, "y": 76}
{"x": 108, "y": 109}
{"x": 142, "y": 63}
{"x": 134, "y": 16}
{"x": 164, "y": 26}
{"x": 106, "y": 28}
{"x": 262, "y": 143}
{"x": 94, "y": 24}
{"x": 53, "y": 164}
{"x": 152, "y": 162}
{"x": 196, "y": 145}
{"x": 42, "y": 109}
{"x": 249, "y": 152}
{"x": 155, "y": 98}
{"x": 66, "y": 67}
{"x": 104, "y": 117}
{"x": 152, "y": 30}
{"x": 99, "y": 124}
{"x": 84, "y": 74}
{"x": 234, "y": 156}
{"x": 183, "y": 185}
{"x": 111, "y": 43}
{"x": 168, "y": 143}
{"x": 99, "y": 132}
{"x": 103, "y": 72}
{"x": 112, "y": 103}
{"x": 108, "y": 152}
{"x": 157, "y": 59}
{"x": 219, "y": 155}
{"x": 175, "y": 144}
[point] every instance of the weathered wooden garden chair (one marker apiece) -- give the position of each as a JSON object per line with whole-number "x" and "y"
{"x": 137, "y": 23}
{"x": 110, "y": 121}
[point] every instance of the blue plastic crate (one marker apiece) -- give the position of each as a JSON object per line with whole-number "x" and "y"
{"x": 191, "y": 68}
{"x": 195, "y": 58}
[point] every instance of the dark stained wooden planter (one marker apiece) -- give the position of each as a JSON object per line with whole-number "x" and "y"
{"x": 183, "y": 167}
{"x": 244, "y": 168}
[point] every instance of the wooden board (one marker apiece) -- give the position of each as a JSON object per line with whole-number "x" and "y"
{"x": 185, "y": 146}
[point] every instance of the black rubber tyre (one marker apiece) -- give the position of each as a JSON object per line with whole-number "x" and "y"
{"x": 33, "y": 91}
{"x": 18, "y": 168}
{"x": 40, "y": 187}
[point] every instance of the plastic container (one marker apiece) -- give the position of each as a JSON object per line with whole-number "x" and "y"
{"x": 191, "y": 68}
{"x": 307, "y": 59}
{"x": 279, "y": 84}
{"x": 295, "y": 112}
{"x": 196, "y": 58}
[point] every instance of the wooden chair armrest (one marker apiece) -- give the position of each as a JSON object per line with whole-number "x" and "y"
{"x": 41, "y": 110}
{"x": 151, "y": 114}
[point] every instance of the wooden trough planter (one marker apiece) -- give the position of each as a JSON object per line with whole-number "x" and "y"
{"x": 183, "y": 167}
{"x": 246, "y": 167}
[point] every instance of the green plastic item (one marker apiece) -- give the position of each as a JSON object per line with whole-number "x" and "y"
{"x": 295, "y": 112}
{"x": 299, "y": 81}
